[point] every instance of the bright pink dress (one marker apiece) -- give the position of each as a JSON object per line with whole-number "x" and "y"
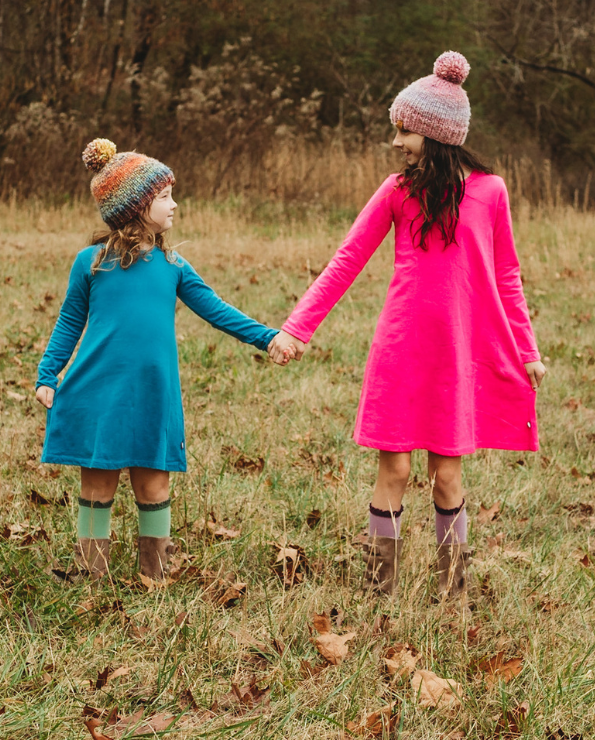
{"x": 446, "y": 367}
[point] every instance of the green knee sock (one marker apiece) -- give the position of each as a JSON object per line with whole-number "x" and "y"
{"x": 94, "y": 519}
{"x": 154, "y": 520}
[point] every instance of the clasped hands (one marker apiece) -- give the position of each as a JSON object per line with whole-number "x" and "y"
{"x": 283, "y": 348}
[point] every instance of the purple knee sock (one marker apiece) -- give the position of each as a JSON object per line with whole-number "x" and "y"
{"x": 451, "y": 525}
{"x": 385, "y": 523}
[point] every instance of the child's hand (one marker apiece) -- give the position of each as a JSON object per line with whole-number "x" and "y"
{"x": 535, "y": 371}
{"x": 284, "y": 347}
{"x": 45, "y": 395}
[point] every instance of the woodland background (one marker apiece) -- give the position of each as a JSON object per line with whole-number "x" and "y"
{"x": 234, "y": 93}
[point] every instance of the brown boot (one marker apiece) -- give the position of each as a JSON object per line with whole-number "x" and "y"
{"x": 154, "y": 555}
{"x": 92, "y": 557}
{"x": 382, "y": 556}
{"x": 453, "y": 560}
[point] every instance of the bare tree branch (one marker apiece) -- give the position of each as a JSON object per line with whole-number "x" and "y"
{"x": 541, "y": 67}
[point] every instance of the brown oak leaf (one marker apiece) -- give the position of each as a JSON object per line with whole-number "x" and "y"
{"x": 488, "y": 515}
{"x": 433, "y": 691}
{"x": 497, "y": 669}
{"x": 377, "y": 724}
{"x": 331, "y": 646}
{"x": 401, "y": 660}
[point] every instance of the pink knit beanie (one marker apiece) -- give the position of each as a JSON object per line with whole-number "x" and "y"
{"x": 436, "y": 106}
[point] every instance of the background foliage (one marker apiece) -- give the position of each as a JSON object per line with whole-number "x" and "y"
{"x": 216, "y": 86}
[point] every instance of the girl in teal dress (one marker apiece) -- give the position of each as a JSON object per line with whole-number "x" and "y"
{"x": 120, "y": 404}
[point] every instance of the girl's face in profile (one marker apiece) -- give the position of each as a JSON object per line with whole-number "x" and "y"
{"x": 160, "y": 215}
{"x": 409, "y": 144}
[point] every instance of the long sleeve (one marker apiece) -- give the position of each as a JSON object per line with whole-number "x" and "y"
{"x": 203, "y": 300}
{"x": 364, "y": 237}
{"x": 508, "y": 280}
{"x": 69, "y": 326}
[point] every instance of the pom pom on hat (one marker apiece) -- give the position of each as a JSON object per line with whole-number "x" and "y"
{"x": 452, "y": 67}
{"x": 98, "y": 153}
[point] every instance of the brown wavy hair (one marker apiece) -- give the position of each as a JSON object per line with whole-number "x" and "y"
{"x": 437, "y": 182}
{"x": 126, "y": 245}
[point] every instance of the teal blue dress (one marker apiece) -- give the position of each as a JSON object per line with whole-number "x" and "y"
{"x": 120, "y": 403}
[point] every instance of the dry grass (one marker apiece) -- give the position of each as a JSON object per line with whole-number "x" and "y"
{"x": 535, "y": 597}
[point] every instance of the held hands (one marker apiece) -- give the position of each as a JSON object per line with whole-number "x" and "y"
{"x": 535, "y": 371}
{"x": 45, "y": 395}
{"x": 284, "y": 347}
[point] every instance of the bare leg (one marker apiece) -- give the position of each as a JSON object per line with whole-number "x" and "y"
{"x": 150, "y": 486}
{"x": 448, "y": 481}
{"x": 393, "y": 475}
{"x": 99, "y": 485}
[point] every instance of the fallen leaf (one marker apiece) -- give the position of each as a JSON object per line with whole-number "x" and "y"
{"x": 496, "y": 669}
{"x": 106, "y": 675}
{"x": 559, "y": 734}
{"x": 382, "y": 624}
{"x": 510, "y": 724}
{"x": 145, "y": 726}
{"x": 16, "y": 396}
{"x": 231, "y": 595}
{"x": 243, "y": 698}
{"x": 331, "y": 646}
{"x": 488, "y": 515}
{"x": 494, "y": 542}
{"x": 311, "y": 671}
{"x": 181, "y": 618}
{"x": 433, "y": 691}
{"x": 290, "y": 564}
{"x": 580, "y": 509}
{"x": 89, "y": 711}
{"x": 122, "y": 671}
{"x": 472, "y": 632}
{"x": 214, "y": 529}
{"x": 337, "y": 616}
{"x": 377, "y": 724}
{"x": 187, "y": 701}
{"x": 101, "y": 679}
{"x": 92, "y": 725}
{"x": 243, "y": 462}
{"x": 150, "y": 584}
{"x": 401, "y": 660}
{"x": 313, "y": 518}
{"x": 38, "y": 498}
{"x": 246, "y": 639}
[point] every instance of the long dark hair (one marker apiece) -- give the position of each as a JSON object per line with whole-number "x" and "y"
{"x": 437, "y": 182}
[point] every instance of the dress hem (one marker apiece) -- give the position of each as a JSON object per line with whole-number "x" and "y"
{"x": 449, "y": 452}
{"x": 105, "y": 465}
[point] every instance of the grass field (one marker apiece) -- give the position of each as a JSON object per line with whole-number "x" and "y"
{"x": 227, "y": 649}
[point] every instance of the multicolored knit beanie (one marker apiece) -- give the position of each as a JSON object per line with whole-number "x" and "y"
{"x": 125, "y": 184}
{"x": 436, "y": 106}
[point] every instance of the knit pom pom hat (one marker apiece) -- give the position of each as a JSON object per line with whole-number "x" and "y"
{"x": 436, "y": 106}
{"x": 124, "y": 184}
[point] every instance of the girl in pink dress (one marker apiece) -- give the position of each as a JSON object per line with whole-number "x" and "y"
{"x": 454, "y": 365}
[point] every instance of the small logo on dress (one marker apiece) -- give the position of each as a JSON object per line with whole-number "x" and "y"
{"x": 181, "y": 445}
